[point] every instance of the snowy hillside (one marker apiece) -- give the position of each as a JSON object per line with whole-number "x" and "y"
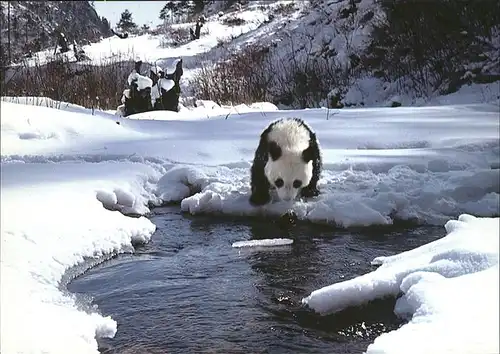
{"x": 67, "y": 169}
{"x": 31, "y": 25}
{"x": 300, "y": 54}
{"x": 356, "y": 53}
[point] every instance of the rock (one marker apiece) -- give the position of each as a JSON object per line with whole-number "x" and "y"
{"x": 288, "y": 219}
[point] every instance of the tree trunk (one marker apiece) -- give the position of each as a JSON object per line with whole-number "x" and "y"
{"x": 197, "y": 30}
{"x": 8, "y": 30}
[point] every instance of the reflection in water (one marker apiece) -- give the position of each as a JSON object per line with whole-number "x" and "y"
{"x": 188, "y": 290}
{"x": 317, "y": 255}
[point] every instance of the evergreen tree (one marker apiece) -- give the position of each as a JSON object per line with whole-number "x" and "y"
{"x": 198, "y": 6}
{"x": 176, "y": 8}
{"x": 126, "y": 23}
{"x": 173, "y": 8}
{"x": 168, "y": 10}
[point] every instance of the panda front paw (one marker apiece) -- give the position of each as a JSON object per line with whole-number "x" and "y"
{"x": 308, "y": 192}
{"x": 258, "y": 199}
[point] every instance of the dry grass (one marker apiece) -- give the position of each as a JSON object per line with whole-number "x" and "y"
{"x": 174, "y": 36}
{"x": 37, "y": 101}
{"x": 253, "y": 75}
{"x": 84, "y": 84}
{"x": 233, "y": 21}
{"x": 240, "y": 78}
{"x": 285, "y": 8}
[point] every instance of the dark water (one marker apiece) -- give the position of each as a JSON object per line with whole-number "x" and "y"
{"x": 189, "y": 291}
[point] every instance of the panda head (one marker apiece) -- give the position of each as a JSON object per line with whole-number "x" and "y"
{"x": 289, "y": 167}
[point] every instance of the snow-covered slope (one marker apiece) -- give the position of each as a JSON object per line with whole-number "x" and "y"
{"x": 335, "y": 40}
{"x": 326, "y": 42}
{"x": 34, "y": 24}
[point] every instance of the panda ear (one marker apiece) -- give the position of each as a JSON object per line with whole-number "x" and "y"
{"x": 308, "y": 154}
{"x": 274, "y": 151}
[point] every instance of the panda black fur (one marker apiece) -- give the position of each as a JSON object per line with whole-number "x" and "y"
{"x": 288, "y": 159}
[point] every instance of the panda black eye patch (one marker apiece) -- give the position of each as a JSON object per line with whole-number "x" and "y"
{"x": 279, "y": 183}
{"x": 274, "y": 151}
{"x": 297, "y": 184}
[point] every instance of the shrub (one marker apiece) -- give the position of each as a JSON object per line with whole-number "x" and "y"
{"x": 306, "y": 82}
{"x": 174, "y": 36}
{"x": 91, "y": 86}
{"x": 285, "y": 8}
{"x": 233, "y": 21}
{"x": 429, "y": 43}
{"x": 237, "y": 78}
{"x": 256, "y": 74}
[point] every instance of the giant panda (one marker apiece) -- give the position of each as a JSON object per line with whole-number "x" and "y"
{"x": 287, "y": 159}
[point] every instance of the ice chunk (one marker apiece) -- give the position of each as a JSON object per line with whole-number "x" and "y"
{"x": 273, "y": 242}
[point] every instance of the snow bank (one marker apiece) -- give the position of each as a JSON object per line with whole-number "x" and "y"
{"x": 439, "y": 282}
{"x": 349, "y": 198}
{"x": 203, "y": 109}
{"x": 52, "y": 220}
{"x": 28, "y": 129}
{"x": 424, "y": 164}
{"x": 45, "y": 102}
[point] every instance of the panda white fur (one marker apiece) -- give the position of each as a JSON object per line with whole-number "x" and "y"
{"x": 287, "y": 159}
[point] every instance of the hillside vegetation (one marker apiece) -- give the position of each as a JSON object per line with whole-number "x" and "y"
{"x": 295, "y": 54}
{"x": 339, "y": 53}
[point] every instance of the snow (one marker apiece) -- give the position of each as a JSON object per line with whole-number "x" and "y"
{"x": 205, "y": 109}
{"x": 60, "y": 199}
{"x": 142, "y": 82}
{"x": 68, "y": 174}
{"x": 156, "y": 69}
{"x": 172, "y": 66}
{"x": 162, "y": 83}
{"x": 274, "y": 242}
{"x": 375, "y": 92}
{"x": 125, "y": 95}
{"x": 148, "y": 47}
{"x": 427, "y": 164}
{"x": 308, "y": 28}
{"x": 439, "y": 282}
